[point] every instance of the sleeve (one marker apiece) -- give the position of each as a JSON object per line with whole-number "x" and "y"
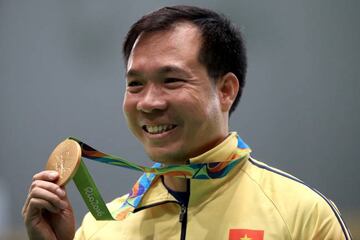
{"x": 323, "y": 221}
{"x": 79, "y": 235}
{"x": 87, "y": 228}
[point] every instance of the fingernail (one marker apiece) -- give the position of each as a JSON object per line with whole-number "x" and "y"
{"x": 60, "y": 192}
{"x": 53, "y": 175}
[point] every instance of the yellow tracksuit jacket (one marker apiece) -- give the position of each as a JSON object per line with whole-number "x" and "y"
{"x": 253, "y": 201}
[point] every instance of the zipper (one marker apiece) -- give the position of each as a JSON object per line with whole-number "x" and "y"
{"x": 183, "y": 217}
{"x": 183, "y": 211}
{"x": 183, "y": 221}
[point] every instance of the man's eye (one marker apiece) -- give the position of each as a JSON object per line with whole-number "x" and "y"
{"x": 173, "y": 80}
{"x": 134, "y": 84}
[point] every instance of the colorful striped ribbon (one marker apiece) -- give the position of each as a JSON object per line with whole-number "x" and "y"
{"x": 195, "y": 171}
{"x": 95, "y": 202}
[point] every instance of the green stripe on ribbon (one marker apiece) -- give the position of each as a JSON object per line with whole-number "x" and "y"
{"x": 91, "y": 195}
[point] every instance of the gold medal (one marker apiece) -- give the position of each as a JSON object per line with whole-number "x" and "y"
{"x": 65, "y": 159}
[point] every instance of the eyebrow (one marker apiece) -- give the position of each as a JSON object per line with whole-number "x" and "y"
{"x": 161, "y": 71}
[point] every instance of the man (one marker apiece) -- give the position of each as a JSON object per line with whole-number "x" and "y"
{"x": 185, "y": 74}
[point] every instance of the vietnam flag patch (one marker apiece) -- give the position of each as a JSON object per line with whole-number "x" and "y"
{"x": 246, "y": 234}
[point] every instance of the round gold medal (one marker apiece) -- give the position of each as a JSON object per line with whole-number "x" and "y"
{"x": 65, "y": 159}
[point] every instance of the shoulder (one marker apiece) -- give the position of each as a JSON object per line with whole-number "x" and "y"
{"x": 302, "y": 208}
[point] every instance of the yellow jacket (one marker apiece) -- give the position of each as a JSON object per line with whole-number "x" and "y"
{"x": 253, "y": 201}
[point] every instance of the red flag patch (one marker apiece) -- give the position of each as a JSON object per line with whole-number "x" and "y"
{"x": 246, "y": 234}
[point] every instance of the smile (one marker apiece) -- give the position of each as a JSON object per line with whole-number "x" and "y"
{"x": 157, "y": 129}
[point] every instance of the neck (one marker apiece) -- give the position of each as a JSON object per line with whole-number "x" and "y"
{"x": 176, "y": 184}
{"x": 179, "y": 184}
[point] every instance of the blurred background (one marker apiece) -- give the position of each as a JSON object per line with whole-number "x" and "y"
{"x": 61, "y": 74}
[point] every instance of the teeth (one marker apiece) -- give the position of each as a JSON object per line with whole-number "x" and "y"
{"x": 158, "y": 128}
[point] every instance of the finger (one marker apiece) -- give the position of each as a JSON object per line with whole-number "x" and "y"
{"x": 40, "y": 193}
{"x": 37, "y": 204}
{"x": 36, "y": 207}
{"x": 48, "y": 196}
{"x": 49, "y": 186}
{"x": 47, "y": 175}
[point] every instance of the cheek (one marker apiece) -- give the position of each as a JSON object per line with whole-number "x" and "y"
{"x": 205, "y": 102}
{"x": 128, "y": 104}
{"x": 197, "y": 108}
{"x": 129, "y": 109}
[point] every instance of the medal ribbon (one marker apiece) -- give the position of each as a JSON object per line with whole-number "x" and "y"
{"x": 95, "y": 202}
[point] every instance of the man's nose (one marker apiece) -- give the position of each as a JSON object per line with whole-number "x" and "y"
{"x": 152, "y": 99}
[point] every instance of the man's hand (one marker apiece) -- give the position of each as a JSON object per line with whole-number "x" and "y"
{"x": 47, "y": 211}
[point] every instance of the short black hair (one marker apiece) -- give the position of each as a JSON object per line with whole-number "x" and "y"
{"x": 222, "y": 51}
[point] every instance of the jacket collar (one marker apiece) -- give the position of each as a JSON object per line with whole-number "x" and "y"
{"x": 227, "y": 150}
{"x": 149, "y": 190}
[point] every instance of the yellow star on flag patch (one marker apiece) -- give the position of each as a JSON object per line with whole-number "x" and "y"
{"x": 246, "y": 234}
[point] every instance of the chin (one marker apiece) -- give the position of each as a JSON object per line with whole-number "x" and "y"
{"x": 165, "y": 158}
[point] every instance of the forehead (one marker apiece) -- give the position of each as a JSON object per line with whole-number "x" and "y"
{"x": 180, "y": 43}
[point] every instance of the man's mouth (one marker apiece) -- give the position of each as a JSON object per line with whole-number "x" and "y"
{"x": 157, "y": 129}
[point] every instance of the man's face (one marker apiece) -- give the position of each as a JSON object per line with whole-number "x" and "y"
{"x": 171, "y": 105}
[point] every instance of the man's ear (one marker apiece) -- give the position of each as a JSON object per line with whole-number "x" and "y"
{"x": 227, "y": 88}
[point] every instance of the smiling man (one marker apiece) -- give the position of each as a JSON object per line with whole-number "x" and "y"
{"x": 185, "y": 74}
{"x": 171, "y": 104}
